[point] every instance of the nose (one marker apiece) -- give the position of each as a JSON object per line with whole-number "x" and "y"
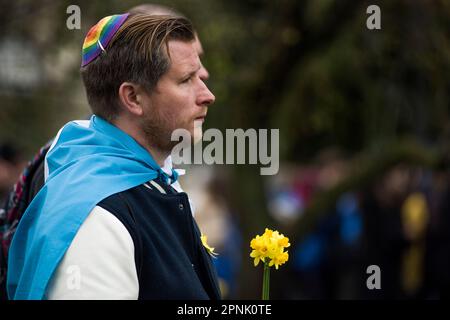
{"x": 205, "y": 96}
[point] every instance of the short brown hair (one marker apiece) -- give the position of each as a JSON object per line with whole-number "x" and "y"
{"x": 137, "y": 53}
{"x": 155, "y": 9}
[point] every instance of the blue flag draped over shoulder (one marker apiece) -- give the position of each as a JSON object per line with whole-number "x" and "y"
{"x": 87, "y": 164}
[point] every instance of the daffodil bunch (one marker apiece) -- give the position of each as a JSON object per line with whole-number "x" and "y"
{"x": 270, "y": 249}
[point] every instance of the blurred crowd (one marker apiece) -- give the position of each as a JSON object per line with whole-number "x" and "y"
{"x": 399, "y": 221}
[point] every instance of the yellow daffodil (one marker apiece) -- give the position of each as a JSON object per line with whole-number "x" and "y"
{"x": 259, "y": 249}
{"x": 207, "y": 247}
{"x": 269, "y": 248}
{"x": 279, "y": 260}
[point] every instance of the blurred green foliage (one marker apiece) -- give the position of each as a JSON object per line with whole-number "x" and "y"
{"x": 310, "y": 68}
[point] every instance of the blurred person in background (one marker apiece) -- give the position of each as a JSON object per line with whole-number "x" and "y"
{"x": 216, "y": 215}
{"x": 11, "y": 164}
{"x": 435, "y": 278}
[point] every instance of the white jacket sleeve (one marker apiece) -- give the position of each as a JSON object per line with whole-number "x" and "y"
{"x": 99, "y": 263}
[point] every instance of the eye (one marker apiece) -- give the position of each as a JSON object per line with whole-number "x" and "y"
{"x": 186, "y": 80}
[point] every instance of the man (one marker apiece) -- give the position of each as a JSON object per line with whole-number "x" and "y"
{"x": 107, "y": 224}
{"x": 38, "y": 178}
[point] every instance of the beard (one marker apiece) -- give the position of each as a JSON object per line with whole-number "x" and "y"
{"x": 197, "y": 134}
{"x": 158, "y": 129}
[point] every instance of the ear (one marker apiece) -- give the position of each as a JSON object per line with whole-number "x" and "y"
{"x": 131, "y": 97}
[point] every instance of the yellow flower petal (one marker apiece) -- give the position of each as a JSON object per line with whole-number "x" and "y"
{"x": 207, "y": 247}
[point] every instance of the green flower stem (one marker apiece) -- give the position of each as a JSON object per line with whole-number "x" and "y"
{"x": 266, "y": 282}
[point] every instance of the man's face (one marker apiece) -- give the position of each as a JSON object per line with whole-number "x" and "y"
{"x": 179, "y": 99}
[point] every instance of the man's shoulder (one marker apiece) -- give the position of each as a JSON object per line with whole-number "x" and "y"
{"x": 128, "y": 200}
{"x": 123, "y": 206}
{"x": 144, "y": 205}
{"x": 121, "y": 202}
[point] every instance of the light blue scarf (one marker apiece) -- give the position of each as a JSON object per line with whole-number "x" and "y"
{"x": 85, "y": 166}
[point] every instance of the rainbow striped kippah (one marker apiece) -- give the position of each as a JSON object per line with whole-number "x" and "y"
{"x": 99, "y": 36}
